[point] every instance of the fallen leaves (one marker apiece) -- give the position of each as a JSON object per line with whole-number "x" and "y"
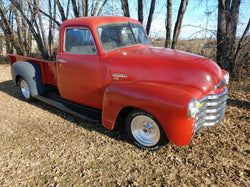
{"x": 41, "y": 145}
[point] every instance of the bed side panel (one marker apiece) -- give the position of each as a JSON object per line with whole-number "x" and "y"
{"x": 48, "y": 68}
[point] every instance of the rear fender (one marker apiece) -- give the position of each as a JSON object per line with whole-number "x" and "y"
{"x": 167, "y": 103}
{"x": 31, "y": 72}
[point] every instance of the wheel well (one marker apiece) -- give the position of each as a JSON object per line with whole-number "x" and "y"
{"x": 121, "y": 117}
{"x": 17, "y": 79}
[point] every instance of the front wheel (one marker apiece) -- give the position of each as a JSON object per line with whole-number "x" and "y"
{"x": 145, "y": 130}
{"x": 25, "y": 90}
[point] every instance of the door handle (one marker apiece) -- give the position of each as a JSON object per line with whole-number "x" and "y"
{"x": 61, "y": 61}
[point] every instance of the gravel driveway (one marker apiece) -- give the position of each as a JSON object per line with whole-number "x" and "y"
{"x": 41, "y": 145}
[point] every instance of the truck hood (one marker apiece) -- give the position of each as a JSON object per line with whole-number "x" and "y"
{"x": 151, "y": 64}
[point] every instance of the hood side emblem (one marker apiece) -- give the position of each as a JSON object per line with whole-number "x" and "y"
{"x": 116, "y": 76}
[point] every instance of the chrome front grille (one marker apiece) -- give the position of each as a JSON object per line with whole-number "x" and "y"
{"x": 211, "y": 110}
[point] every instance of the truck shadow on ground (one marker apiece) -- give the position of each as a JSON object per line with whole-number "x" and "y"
{"x": 238, "y": 103}
{"x": 118, "y": 133}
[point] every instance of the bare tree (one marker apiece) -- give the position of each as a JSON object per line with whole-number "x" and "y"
{"x": 41, "y": 29}
{"x": 95, "y": 9}
{"x": 75, "y": 8}
{"x": 140, "y": 11}
{"x": 85, "y": 7}
{"x": 168, "y": 24}
{"x": 36, "y": 32}
{"x": 125, "y": 8}
{"x": 177, "y": 28}
{"x": 53, "y": 18}
{"x": 150, "y": 16}
{"x": 84, "y": 4}
{"x": 24, "y": 25}
{"x": 178, "y": 23}
{"x": 243, "y": 48}
{"x": 8, "y": 32}
{"x": 228, "y": 11}
{"x": 100, "y": 10}
{"x": 60, "y": 8}
{"x": 51, "y": 29}
{"x": 20, "y": 32}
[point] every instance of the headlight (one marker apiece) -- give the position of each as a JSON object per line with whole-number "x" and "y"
{"x": 192, "y": 108}
{"x": 226, "y": 77}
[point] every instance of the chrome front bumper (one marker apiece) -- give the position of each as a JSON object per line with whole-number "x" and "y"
{"x": 211, "y": 110}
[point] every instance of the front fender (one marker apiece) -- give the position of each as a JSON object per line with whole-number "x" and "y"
{"x": 166, "y": 102}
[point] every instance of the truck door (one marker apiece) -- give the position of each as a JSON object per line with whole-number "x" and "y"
{"x": 78, "y": 68}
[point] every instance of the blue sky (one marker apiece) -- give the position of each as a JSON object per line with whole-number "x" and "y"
{"x": 194, "y": 20}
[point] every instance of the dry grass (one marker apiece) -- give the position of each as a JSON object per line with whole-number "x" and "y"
{"x": 41, "y": 145}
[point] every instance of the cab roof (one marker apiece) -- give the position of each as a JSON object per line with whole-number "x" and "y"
{"x": 95, "y": 21}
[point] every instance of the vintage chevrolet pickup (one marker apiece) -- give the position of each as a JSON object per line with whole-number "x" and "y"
{"x": 106, "y": 69}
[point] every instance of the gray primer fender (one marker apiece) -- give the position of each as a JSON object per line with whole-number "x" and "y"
{"x": 31, "y": 72}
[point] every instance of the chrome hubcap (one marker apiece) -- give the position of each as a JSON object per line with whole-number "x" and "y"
{"x": 25, "y": 89}
{"x": 145, "y": 130}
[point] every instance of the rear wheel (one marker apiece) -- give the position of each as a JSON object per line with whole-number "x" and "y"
{"x": 25, "y": 90}
{"x": 145, "y": 131}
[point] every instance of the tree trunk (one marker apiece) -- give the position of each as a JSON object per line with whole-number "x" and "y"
{"x": 95, "y": 9}
{"x": 85, "y": 7}
{"x": 36, "y": 35}
{"x": 41, "y": 27}
{"x": 241, "y": 45}
{"x": 79, "y": 7}
{"x": 50, "y": 39}
{"x": 140, "y": 11}
{"x": 125, "y": 8}
{"x": 8, "y": 32}
{"x": 60, "y": 8}
{"x": 100, "y": 10}
{"x": 177, "y": 28}
{"x": 228, "y": 11}
{"x": 221, "y": 31}
{"x": 168, "y": 24}
{"x": 25, "y": 28}
{"x": 150, "y": 17}
{"x": 36, "y": 8}
{"x": 67, "y": 9}
{"x": 20, "y": 33}
{"x": 76, "y": 11}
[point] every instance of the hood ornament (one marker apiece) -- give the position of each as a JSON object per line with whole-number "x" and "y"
{"x": 220, "y": 84}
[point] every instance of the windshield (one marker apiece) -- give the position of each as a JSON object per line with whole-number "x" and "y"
{"x": 120, "y": 35}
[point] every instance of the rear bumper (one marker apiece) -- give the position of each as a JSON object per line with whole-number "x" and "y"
{"x": 211, "y": 110}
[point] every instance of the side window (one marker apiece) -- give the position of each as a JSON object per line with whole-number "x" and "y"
{"x": 79, "y": 41}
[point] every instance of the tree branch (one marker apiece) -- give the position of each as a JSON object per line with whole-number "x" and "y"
{"x": 37, "y": 8}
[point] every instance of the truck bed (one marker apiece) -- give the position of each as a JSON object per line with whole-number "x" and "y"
{"x": 48, "y": 68}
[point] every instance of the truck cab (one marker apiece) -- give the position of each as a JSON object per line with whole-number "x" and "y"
{"x": 106, "y": 69}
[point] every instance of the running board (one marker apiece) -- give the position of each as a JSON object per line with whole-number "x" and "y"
{"x": 72, "y": 108}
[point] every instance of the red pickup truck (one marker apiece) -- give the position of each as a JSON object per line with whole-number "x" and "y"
{"x": 106, "y": 69}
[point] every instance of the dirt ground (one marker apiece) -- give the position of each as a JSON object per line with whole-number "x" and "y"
{"x": 41, "y": 145}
